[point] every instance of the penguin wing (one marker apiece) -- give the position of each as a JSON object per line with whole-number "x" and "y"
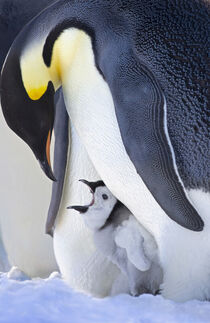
{"x": 141, "y": 113}
{"x": 128, "y": 237}
{"x": 61, "y": 125}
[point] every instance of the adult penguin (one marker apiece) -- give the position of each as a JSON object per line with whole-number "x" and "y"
{"x": 123, "y": 66}
{"x": 27, "y": 246}
{"x": 24, "y": 194}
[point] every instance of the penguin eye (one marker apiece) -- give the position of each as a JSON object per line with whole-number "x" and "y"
{"x": 105, "y": 197}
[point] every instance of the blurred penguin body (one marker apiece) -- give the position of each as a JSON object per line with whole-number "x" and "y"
{"x": 24, "y": 193}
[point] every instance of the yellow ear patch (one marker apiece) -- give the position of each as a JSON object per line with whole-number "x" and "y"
{"x": 36, "y": 75}
{"x": 36, "y": 94}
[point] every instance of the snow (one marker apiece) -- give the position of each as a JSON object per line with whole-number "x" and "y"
{"x": 52, "y": 300}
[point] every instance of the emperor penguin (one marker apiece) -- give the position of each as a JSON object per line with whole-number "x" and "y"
{"x": 24, "y": 194}
{"x": 33, "y": 253}
{"x": 121, "y": 238}
{"x": 135, "y": 87}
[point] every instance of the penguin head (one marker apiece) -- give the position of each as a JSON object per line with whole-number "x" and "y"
{"x": 31, "y": 118}
{"x": 36, "y": 66}
{"x": 99, "y": 210}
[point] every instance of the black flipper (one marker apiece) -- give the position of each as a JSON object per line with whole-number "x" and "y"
{"x": 139, "y": 104}
{"x": 61, "y": 126}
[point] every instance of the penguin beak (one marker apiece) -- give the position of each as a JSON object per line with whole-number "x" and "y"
{"x": 89, "y": 184}
{"x": 80, "y": 209}
{"x": 45, "y": 163}
{"x": 31, "y": 120}
{"x": 83, "y": 209}
{"x": 92, "y": 185}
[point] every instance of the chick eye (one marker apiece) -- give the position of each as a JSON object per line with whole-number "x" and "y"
{"x": 105, "y": 197}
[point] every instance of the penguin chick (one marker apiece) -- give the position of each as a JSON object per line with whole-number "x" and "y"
{"x": 119, "y": 237}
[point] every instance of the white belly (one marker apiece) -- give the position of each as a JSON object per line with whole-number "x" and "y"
{"x": 90, "y": 106}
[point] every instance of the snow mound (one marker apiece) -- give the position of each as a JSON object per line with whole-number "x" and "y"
{"x": 51, "y": 300}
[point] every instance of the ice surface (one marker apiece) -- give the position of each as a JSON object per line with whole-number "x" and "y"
{"x": 51, "y": 300}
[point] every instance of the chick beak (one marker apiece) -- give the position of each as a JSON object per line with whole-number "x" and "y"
{"x": 89, "y": 184}
{"x": 80, "y": 208}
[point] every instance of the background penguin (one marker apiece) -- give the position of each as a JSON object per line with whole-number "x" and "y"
{"x": 14, "y": 15}
{"x": 119, "y": 237}
{"x": 147, "y": 66}
{"x": 23, "y": 237}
